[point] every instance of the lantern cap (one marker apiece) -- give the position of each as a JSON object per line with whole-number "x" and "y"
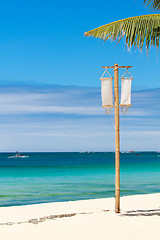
{"x": 108, "y": 75}
{"x": 129, "y": 77}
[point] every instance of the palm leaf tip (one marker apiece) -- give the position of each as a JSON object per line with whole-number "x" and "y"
{"x": 86, "y": 34}
{"x": 152, "y": 4}
{"x": 137, "y": 31}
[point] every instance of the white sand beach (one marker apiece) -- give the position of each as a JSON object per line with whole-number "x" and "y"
{"x": 84, "y": 220}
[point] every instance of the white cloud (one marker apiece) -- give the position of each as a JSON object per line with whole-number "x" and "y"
{"x": 81, "y": 101}
{"x": 20, "y": 109}
{"x": 71, "y": 119}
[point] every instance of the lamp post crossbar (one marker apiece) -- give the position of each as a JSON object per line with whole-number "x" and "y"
{"x": 118, "y": 67}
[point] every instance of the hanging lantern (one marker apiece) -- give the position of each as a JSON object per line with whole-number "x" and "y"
{"x": 126, "y": 82}
{"x": 106, "y": 91}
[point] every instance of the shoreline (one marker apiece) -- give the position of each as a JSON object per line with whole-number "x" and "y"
{"x": 84, "y": 220}
{"x": 36, "y": 211}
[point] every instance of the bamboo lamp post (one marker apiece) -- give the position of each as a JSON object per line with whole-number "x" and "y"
{"x": 117, "y": 135}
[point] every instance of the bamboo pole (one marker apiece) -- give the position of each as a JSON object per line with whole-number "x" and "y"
{"x": 117, "y": 140}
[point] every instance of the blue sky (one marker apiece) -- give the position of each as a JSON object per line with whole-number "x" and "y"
{"x": 49, "y": 78}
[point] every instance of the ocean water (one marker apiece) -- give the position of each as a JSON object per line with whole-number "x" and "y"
{"x": 52, "y": 177}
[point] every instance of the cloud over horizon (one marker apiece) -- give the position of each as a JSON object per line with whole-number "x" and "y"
{"x": 62, "y": 118}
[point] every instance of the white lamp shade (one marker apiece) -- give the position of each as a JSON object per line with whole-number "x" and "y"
{"x": 126, "y": 91}
{"x": 106, "y": 92}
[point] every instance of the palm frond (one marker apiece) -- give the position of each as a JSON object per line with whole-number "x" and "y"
{"x": 137, "y": 31}
{"x": 152, "y": 4}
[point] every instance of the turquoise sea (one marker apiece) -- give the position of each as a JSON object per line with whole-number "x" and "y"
{"x": 52, "y": 177}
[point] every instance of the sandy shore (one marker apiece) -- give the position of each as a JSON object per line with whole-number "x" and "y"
{"x": 84, "y": 220}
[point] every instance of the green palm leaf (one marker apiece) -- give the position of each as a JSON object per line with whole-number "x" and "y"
{"x": 153, "y": 4}
{"x": 137, "y": 31}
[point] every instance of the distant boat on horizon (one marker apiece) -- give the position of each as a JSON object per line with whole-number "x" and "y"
{"x": 19, "y": 155}
{"x": 131, "y": 151}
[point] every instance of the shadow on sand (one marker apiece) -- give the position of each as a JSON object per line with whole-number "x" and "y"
{"x": 141, "y": 213}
